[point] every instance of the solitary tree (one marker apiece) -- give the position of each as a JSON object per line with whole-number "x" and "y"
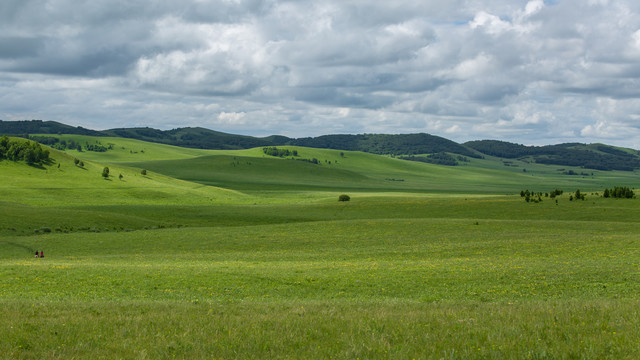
{"x": 344, "y": 197}
{"x": 143, "y": 172}
{"x": 105, "y": 172}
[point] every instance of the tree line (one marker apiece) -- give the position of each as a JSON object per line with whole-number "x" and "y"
{"x": 536, "y": 197}
{"x": 619, "y": 192}
{"x": 274, "y": 151}
{"x": 59, "y": 144}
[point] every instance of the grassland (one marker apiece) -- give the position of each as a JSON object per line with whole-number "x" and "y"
{"x": 268, "y": 264}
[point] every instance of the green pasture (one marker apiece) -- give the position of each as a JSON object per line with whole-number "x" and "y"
{"x": 463, "y": 284}
{"x": 235, "y": 254}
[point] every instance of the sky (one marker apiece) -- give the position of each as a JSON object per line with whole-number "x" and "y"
{"x": 532, "y": 72}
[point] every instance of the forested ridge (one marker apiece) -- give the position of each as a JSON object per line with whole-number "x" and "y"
{"x": 408, "y": 146}
{"x": 595, "y": 156}
{"x": 382, "y": 144}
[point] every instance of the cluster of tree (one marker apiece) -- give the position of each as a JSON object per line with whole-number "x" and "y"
{"x": 599, "y": 157}
{"x": 58, "y": 144}
{"x": 556, "y": 192}
{"x": 536, "y": 197}
{"x": 440, "y": 158}
{"x": 578, "y": 196}
{"x": 55, "y": 142}
{"x": 274, "y": 151}
{"x": 98, "y": 147}
{"x": 77, "y": 162}
{"x": 22, "y": 150}
{"x": 531, "y": 196}
{"x": 619, "y": 192}
{"x": 312, "y": 161}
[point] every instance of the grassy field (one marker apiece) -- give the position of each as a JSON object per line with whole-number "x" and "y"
{"x": 268, "y": 264}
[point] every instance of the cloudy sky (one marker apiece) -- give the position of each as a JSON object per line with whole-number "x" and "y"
{"x": 530, "y": 71}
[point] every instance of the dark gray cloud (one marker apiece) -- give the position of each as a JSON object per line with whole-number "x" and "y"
{"x": 529, "y": 71}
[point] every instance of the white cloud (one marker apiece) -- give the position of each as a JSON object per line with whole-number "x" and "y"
{"x": 533, "y": 7}
{"x": 491, "y": 23}
{"x": 232, "y": 118}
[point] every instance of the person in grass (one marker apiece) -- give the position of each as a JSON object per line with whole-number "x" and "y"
{"x": 37, "y": 253}
{"x": 41, "y": 254}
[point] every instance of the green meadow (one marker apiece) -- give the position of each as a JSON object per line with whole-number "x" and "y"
{"x": 236, "y": 254}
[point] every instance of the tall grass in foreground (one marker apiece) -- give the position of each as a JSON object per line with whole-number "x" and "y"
{"x": 164, "y": 330}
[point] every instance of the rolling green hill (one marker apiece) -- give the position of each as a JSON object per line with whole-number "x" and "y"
{"x": 591, "y": 156}
{"x": 252, "y": 171}
{"x": 240, "y": 254}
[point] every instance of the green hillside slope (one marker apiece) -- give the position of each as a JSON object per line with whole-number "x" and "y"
{"x": 251, "y": 171}
{"x": 64, "y": 183}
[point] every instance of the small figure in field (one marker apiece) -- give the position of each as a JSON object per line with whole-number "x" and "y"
{"x": 37, "y": 254}
{"x": 41, "y": 254}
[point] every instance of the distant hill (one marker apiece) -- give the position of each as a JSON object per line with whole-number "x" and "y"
{"x": 201, "y": 138}
{"x": 403, "y": 144}
{"x": 592, "y": 156}
{"x": 42, "y": 127}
